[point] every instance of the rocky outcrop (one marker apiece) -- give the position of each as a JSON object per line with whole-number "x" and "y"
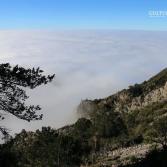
{"x": 154, "y": 96}
{"x": 125, "y": 101}
{"x": 123, "y": 156}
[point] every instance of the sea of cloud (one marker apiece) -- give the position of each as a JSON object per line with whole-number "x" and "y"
{"x": 87, "y": 63}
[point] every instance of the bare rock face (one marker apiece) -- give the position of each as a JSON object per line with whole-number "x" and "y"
{"x": 125, "y": 101}
{"x": 154, "y": 96}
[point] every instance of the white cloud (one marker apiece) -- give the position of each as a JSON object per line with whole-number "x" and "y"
{"x": 88, "y": 64}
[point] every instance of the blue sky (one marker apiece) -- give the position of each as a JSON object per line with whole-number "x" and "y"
{"x": 81, "y": 14}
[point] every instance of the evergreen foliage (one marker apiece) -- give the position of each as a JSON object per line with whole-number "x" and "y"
{"x": 13, "y": 80}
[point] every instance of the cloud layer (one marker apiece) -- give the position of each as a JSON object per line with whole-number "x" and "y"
{"x": 88, "y": 64}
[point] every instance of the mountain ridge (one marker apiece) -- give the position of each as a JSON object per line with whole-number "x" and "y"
{"x": 135, "y": 97}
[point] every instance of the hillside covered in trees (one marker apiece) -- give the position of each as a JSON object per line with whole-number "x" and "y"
{"x": 128, "y": 128}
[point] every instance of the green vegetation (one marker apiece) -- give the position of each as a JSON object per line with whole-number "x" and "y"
{"x": 157, "y": 81}
{"x": 153, "y": 83}
{"x": 108, "y": 124}
{"x": 139, "y": 121}
{"x": 81, "y": 142}
{"x": 158, "y": 132}
{"x": 13, "y": 80}
{"x": 104, "y": 129}
{"x": 44, "y": 148}
{"x": 153, "y": 159}
{"x": 136, "y": 90}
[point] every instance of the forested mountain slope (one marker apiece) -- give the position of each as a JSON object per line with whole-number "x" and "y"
{"x": 128, "y": 128}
